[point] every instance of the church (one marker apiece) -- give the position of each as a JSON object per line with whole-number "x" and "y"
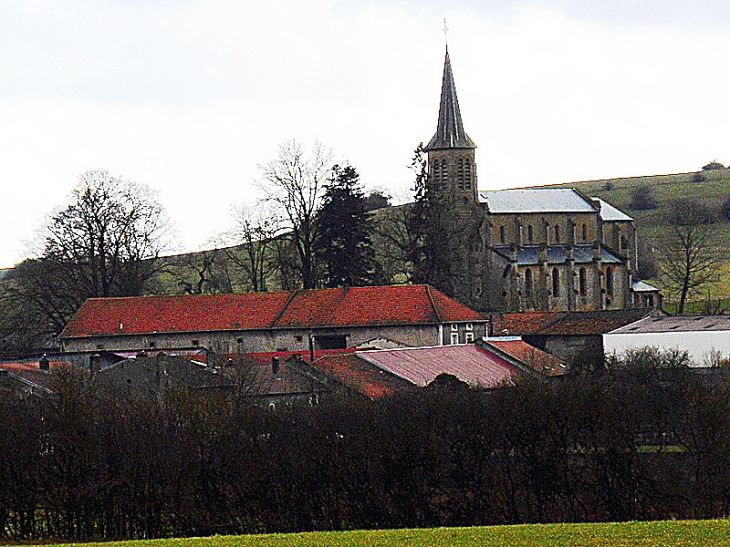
{"x": 536, "y": 248}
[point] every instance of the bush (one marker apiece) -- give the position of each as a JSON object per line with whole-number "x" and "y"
{"x": 642, "y": 199}
{"x": 698, "y": 177}
{"x": 713, "y": 166}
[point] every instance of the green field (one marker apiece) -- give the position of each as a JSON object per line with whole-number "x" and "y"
{"x": 646, "y": 534}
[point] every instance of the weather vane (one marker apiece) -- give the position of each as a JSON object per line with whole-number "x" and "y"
{"x": 446, "y": 32}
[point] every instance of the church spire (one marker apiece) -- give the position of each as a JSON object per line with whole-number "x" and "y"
{"x": 450, "y": 131}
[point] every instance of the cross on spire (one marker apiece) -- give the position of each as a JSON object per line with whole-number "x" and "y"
{"x": 446, "y": 33}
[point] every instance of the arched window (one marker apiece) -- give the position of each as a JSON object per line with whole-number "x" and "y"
{"x": 624, "y": 243}
{"x": 501, "y": 235}
{"x": 467, "y": 173}
{"x": 556, "y": 282}
{"x": 445, "y": 172}
{"x": 460, "y": 174}
{"x": 557, "y": 234}
{"x": 609, "y": 281}
{"x": 436, "y": 173}
{"x": 528, "y": 283}
{"x": 529, "y": 233}
{"x": 585, "y": 233}
{"x": 582, "y": 281}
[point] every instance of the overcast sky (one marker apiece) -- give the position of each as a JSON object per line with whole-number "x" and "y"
{"x": 189, "y": 97}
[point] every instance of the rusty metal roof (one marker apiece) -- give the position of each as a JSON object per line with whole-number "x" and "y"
{"x": 420, "y": 366}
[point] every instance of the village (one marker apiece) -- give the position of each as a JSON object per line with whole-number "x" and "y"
{"x": 334, "y": 361}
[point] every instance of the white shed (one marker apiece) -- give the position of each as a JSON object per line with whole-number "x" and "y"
{"x": 702, "y": 337}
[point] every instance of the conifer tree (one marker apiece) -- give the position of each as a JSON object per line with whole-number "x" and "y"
{"x": 343, "y": 246}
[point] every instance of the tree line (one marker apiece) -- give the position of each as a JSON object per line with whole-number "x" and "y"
{"x": 647, "y": 439}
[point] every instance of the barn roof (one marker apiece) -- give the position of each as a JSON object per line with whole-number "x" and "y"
{"x": 344, "y": 307}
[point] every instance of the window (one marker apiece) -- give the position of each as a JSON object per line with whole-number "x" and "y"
{"x": 650, "y": 300}
{"x": 454, "y": 327}
{"x": 454, "y": 338}
{"x": 330, "y": 342}
{"x": 469, "y": 338}
{"x": 529, "y": 233}
{"x": 299, "y": 338}
{"x": 444, "y": 172}
{"x": 528, "y": 282}
{"x": 239, "y": 340}
{"x": 469, "y": 326}
{"x": 151, "y": 344}
{"x": 609, "y": 281}
{"x": 99, "y": 346}
{"x": 501, "y": 235}
{"x": 585, "y": 232}
{"x": 436, "y": 174}
{"x": 582, "y": 281}
{"x": 624, "y": 243}
{"x": 460, "y": 174}
{"x": 556, "y": 282}
{"x": 194, "y": 342}
{"x": 557, "y": 234}
{"x": 467, "y": 173}
{"x": 272, "y": 407}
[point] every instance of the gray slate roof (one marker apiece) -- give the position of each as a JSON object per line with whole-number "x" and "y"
{"x": 536, "y": 200}
{"x": 450, "y": 131}
{"x": 676, "y": 324}
{"x": 643, "y": 286}
{"x": 609, "y": 213}
{"x": 583, "y": 254}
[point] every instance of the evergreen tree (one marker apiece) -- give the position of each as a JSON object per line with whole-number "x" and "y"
{"x": 429, "y": 221}
{"x": 343, "y": 246}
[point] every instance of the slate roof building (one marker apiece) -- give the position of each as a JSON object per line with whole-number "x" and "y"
{"x": 32, "y": 376}
{"x": 410, "y": 315}
{"x": 550, "y": 249}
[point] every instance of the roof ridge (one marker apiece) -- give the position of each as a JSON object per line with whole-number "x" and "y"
{"x": 276, "y": 319}
{"x": 433, "y": 303}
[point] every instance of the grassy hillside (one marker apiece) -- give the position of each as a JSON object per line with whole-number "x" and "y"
{"x": 645, "y": 534}
{"x": 714, "y": 190}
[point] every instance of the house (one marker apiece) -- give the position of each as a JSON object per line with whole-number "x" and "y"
{"x": 153, "y": 375}
{"x": 550, "y": 249}
{"x": 576, "y": 337}
{"x": 488, "y": 364}
{"x": 410, "y": 315}
{"x": 33, "y": 377}
{"x": 706, "y": 339}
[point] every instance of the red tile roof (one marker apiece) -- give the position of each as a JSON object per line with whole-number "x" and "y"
{"x": 541, "y": 361}
{"x": 356, "y": 373}
{"x": 564, "y": 323}
{"x": 358, "y": 306}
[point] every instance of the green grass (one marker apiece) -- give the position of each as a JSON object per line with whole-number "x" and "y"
{"x": 645, "y": 534}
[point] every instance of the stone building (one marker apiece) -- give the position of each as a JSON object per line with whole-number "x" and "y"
{"x": 225, "y": 324}
{"x": 532, "y": 248}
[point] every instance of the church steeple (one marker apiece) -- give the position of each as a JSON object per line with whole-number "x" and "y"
{"x": 450, "y": 131}
{"x": 452, "y": 171}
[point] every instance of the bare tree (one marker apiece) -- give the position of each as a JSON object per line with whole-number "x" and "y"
{"x": 104, "y": 243}
{"x": 251, "y": 241}
{"x": 688, "y": 253}
{"x": 294, "y": 183}
{"x": 202, "y": 272}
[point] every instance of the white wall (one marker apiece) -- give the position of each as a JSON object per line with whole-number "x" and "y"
{"x": 698, "y": 345}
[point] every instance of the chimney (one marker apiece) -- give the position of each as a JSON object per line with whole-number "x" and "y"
{"x": 95, "y": 363}
{"x": 44, "y": 363}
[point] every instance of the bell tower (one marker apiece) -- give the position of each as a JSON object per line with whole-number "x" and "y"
{"x": 452, "y": 171}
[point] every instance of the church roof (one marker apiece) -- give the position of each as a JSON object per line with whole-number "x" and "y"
{"x": 609, "y": 213}
{"x": 537, "y": 200}
{"x": 450, "y": 131}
